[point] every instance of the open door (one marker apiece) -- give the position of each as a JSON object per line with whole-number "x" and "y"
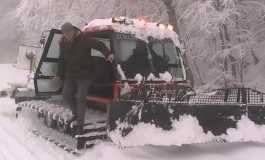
{"x": 47, "y": 68}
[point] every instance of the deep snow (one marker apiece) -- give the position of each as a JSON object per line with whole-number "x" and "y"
{"x": 16, "y": 143}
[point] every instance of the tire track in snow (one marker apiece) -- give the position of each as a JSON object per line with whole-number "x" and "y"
{"x": 17, "y": 151}
{"x": 18, "y": 144}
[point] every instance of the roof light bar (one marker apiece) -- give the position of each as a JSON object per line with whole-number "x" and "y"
{"x": 165, "y": 26}
{"x": 118, "y": 20}
{"x": 161, "y": 26}
{"x": 170, "y": 27}
{"x": 142, "y": 19}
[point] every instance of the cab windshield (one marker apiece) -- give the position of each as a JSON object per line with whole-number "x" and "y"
{"x": 153, "y": 59}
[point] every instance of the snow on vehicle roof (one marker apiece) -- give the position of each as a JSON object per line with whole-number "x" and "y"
{"x": 140, "y": 30}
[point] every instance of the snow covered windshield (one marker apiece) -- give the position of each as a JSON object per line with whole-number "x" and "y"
{"x": 151, "y": 60}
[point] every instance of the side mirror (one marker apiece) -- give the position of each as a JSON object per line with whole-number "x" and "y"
{"x": 183, "y": 46}
{"x": 42, "y": 39}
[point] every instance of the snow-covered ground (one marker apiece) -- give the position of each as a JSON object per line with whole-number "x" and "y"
{"x": 16, "y": 143}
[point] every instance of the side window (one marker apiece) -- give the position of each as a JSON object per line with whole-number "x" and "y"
{"x": 54, "y": 50}
{"x": 48, "y": 69}
{"x": 97, "y": 53}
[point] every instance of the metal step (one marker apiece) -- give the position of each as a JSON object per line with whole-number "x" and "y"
{"x": 90, "y": 139}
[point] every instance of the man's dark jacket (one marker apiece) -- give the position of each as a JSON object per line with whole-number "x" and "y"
{"x": 75, "y": 58}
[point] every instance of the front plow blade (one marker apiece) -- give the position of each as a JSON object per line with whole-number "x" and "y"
{"x": 171, "y": 113}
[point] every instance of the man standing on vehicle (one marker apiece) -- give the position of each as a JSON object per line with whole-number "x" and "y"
{"x": 76, "y": 66}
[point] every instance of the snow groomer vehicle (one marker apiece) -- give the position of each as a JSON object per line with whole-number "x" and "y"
{"x": 142, "y": 98}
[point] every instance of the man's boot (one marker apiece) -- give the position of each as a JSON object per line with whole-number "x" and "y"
{"x": 79, "y": 130}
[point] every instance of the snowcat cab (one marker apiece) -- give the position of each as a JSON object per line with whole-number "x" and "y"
{"x": 146, "y": 85}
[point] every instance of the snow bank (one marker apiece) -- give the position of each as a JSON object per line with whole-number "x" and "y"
{"x": 246, "y": 130}
{"x": 185, "y": 131}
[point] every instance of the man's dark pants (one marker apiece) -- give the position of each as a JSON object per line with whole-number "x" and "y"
{"x": 77, "y": 104}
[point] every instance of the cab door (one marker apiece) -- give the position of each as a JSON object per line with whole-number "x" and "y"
{"x": 47, "y": 68}
{"x": 48, "y": 65}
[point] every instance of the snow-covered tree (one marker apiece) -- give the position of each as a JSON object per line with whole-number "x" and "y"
{"x": 39, "y": 15}
{"x": 219, "y": 34}
{"x": 11, "y": 35}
